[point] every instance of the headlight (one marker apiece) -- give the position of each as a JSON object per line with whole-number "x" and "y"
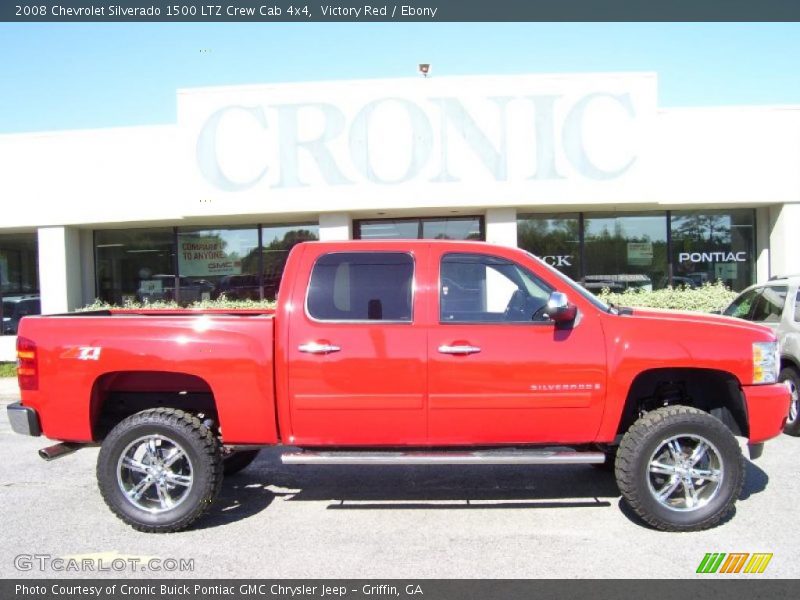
{"x": 766, "y": 362}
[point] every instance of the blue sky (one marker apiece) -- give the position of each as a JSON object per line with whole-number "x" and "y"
{"x": 68, "y": 76}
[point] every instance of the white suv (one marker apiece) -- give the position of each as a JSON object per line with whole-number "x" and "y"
{"x": 767, "y": 304}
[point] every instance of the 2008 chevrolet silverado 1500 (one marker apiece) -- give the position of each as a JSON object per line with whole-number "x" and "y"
{"x": 412, "y": 352}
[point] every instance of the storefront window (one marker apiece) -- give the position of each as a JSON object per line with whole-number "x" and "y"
{"x": 134, "y": 264}
{"x": 141, "y": 264}
{"x": 213, "y": 263}
{"x": 555, "y": 238}
{"x": 713, "y": 245}
{"x": 437, "y": 228}
{"x": 19, "y": 280}
{"x": 624, "y": 252}
{"x": 277, "y": 240}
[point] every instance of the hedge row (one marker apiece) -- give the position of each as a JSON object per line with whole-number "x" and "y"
{"x": 220, "y": 303}
{"x": 708, "y": 298}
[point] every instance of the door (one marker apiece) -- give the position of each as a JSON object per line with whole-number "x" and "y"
{"x": 356, "y": 357}
{"x": 499, "y": 370}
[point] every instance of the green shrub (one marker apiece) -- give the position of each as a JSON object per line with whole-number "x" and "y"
{"x": 708, "y": 298}
{"x": 8, "y": 369}
{"x": 219, "y": 303}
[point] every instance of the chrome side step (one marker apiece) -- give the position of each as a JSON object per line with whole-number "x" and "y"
{"x": 512, "y": 456}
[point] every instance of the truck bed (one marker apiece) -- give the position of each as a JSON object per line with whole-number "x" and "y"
{"x": 109, "y": 356}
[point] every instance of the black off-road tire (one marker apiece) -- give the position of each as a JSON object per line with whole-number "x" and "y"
{"x": 238, "y": 461}
{"x": 641, "y": 441}
{"x": 195, "y": 439}
{"x": 791, "y": 375}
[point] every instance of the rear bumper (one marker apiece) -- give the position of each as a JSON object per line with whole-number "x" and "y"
{"x": 24, "y": 419}
{"x": 767, "y": 409}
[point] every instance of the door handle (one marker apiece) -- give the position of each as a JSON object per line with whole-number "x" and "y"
{"x": 460, "y": 349}
{"x": 315, "y": 348}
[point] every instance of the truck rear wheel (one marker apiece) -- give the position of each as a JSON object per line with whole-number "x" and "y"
{"x": 159, "y": 470}
{"x": 680, "y": 469}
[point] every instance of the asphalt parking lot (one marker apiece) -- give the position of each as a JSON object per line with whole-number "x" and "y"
{"x": 398, "y": 522}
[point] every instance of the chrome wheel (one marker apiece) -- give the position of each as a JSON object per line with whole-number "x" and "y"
{"x": 793, "y": 406}
{"x": 685, "y": 472}
{"x": 154, "y": 473}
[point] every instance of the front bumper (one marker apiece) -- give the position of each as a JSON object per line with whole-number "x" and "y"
{"x": 767, "y": 410}
{"x": 24, "y": 419}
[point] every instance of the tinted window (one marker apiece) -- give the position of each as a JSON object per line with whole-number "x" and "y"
{"x": 28, "y": 307}
{"x": 433, "y": 228}
{"x": 797, "y": 307}
{"x": 361, "y": 286}
{"x": 710, "y": 246}
{"x": 212, "y": 263}
{"x": 476, "y": 288}
{"x": 741, "y": 306}
{"x": 769, "y": 305}
{"x": 135, "y": 264}
{"x": 553, "y": 238}
{"x": 625, "y": 251}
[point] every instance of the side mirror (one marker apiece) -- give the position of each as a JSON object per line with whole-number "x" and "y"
{"x": 559, "y": 309}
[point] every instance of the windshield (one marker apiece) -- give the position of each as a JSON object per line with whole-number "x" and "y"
{"x": 575, "y": 285}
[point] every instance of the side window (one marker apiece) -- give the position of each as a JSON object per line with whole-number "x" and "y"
{"x": 741, "y": 306}
{"x": 476, "y": 288}
{"x": 361, "y": 286}
{"x": 769, "y": 305}
{"x": 797, "y": 307}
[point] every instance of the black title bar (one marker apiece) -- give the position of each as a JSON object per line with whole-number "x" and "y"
{"x": 244, "y": 11}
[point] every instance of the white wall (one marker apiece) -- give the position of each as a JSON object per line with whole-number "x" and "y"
{"x": 726, "y": 155}
{"x": 785, "y": 240}
{"x": 501, "y": 226}
{"x": 335, "y": 227}
{"x": 8, "y": 348}
{"x": 148, "y": 175}
{"x": 118, "y": 175}
{"x": 60, "y": 269}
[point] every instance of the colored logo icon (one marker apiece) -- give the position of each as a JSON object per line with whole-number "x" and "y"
{"x": 734, "y": 562}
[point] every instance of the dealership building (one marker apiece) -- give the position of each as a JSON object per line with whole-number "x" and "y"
{"x": 583, "y": 170}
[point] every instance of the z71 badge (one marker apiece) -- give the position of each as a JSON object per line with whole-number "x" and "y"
{"x": 82, "y": 353}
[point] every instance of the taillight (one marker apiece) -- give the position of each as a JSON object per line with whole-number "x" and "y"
{"x": 27, "y": 367}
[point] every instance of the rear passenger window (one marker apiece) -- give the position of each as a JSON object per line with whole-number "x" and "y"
{"x": 361, "y": 286}
{"x": 769, "y": 305}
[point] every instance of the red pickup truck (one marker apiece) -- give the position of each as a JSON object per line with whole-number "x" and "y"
{"x": 405, "y": 352}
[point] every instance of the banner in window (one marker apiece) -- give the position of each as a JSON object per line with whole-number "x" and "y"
{"x": 206, "y": 256}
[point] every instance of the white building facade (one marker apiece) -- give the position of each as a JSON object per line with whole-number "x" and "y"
{"x": 584, "y": 170}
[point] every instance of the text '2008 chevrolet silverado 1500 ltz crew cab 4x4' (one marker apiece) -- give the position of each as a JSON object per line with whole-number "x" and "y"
{"x": 412, "y": 352}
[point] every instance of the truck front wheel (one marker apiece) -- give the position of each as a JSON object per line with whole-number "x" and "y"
{"x": 159, "y": 470}
{"x": 680, "y": 469}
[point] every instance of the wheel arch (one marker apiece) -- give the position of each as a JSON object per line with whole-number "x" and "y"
{"x": 789, "y": 361}
{"x": 118, "y": 394}
{"x": 716, "y": 392}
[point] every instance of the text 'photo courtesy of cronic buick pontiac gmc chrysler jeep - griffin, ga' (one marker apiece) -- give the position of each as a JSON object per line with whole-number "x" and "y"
{"x": 405, "y": 352}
